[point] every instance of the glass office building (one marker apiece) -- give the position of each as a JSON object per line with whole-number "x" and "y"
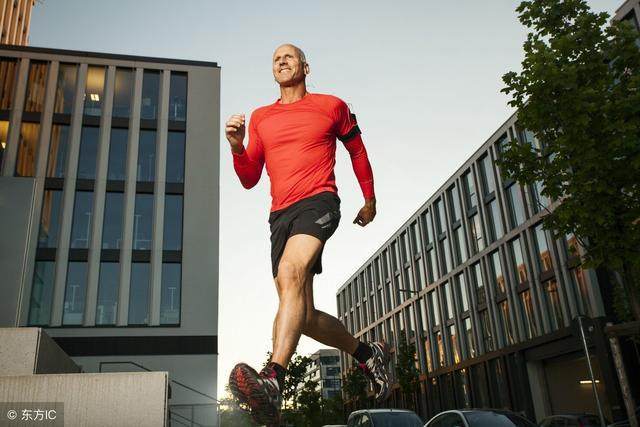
{"x": 109, "y": 186}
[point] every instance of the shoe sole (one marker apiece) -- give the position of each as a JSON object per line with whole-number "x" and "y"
{"x": 244, "y": 386}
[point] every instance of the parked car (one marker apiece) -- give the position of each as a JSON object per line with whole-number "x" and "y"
{"x": 479, "y": 418}
{"x": 334, "y": 425}
{"x": 384, "y": 418}
{"x": 572, "y": 420}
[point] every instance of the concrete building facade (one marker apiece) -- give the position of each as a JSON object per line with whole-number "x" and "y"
{"x": 15, "y": 21}
{"x": 325, "y": 369}
{"x": 109, "y": 207}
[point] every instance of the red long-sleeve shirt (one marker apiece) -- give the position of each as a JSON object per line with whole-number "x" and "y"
{"x": 297, "y": 142}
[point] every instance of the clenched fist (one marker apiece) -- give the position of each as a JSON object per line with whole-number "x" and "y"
{"x": 234, "y": 130}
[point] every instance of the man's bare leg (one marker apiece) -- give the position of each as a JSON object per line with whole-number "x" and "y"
{"x": 325, "y": 328}
{"x": 299, "y": 255}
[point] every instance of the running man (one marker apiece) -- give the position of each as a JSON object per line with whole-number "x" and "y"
{"x": 295, "y": 138}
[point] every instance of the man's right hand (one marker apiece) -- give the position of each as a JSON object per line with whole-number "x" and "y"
{"x": 235, "y": 132}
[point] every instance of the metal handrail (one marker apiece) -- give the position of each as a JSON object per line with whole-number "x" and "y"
{"x": 150, "y": 370}
{"x": 191, "y": 422}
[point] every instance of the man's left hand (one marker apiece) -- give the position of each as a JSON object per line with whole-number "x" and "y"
{"x": 367, "y": 213}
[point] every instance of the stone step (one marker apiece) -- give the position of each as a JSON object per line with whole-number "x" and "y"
{"x": 25, "y": 351}
{"x": 105, "y": 399}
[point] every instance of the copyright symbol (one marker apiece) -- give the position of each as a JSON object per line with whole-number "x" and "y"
{"x": 12, "y": 414}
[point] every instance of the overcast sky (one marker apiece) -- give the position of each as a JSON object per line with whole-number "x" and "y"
{"x": 422, "y": 76}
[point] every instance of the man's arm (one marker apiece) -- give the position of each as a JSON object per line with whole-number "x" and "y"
{"x": 364, "y": 174}
{"x": 247, "y": 163}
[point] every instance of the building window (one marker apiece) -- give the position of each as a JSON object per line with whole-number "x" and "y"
{"x": 446, "y": 252}
{"x": 65, "y": 88}
{"x": 50, "y": 219}
{"x": 477, "y": 241}
{"x": 540, "y": 201}
{"x": 488, "y": 180}
{"x": 117, "y": 169}
{"x": 487, "y": 335}
{"x": 470, "y": 339}
{"x": 435, "y": 311}
{"x": 544, "y": 254}
{"x": 450, "y": 309}
{"x": 123, "y": 92}
{"x": 58, "y": 149}
{"x": 460, "y": 244}
{"x": 113, "y": 218}
{"x": 175, "y": 157}
{"x": 170, "y": 296}
{"x": 36, "y": 87}
{"x": 553, "y": 303}
{"x": 582, "y": 291}
{"x": 107, "y": 306}
{"x": 440, "y": 346}
{"x": 8, "y": 73}
{"x": 530, "y": 328}
{"x": 455, "y": 346}
{"x": 462, "y": 292}
{"x": 505, "y": 319}
{"x": 427, "y": 227}
{"x": 178, "y": 97}
{"x": 471, "y": 196}
{"x": 495, "y": 220}
{"x": 4, "y": 133}
{"x": 82, "y": 220}
{"x": 94, "y": 91}
{"x": 41, "y": 292}
{"x": 150, "y": 91}
{"x": 440, "y": 217}
{"x": 88, "y": 152}
{"x": 481, "y": 295}
{"x": 27, "y": 149}
{"x": 516, "y": 205}
{"x": 74, "y": 294}
{"x": 143, "y": 222}
{"x": 518, "y": 258}
{"x": 454, "y": 202}
{"x": 139, "y": 293}
{"x": 147, "y": 156}
{"x": 498, "y": 275}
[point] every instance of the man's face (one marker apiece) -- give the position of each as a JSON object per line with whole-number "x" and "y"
{"x": 288, "y": 68}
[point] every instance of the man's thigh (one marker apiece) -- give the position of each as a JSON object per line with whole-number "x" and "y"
{"x": 301, "y": 251}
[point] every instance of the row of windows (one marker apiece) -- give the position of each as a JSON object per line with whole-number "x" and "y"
{"x": 94, "y": 90}
{"x": 442, "y": 234}
{"x": 106, "y": 314}
{"x": 113, "y": 221}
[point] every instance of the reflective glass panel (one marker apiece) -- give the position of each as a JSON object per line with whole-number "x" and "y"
{"x": 516, "y": 205}
{"x": 454, "y": 203}
{"x": 476, "y": 271}
{"x": 175, "y": 157}
{"x": 449, "y": 300}
{"x": 41, "y": 293}
{"x": 113, "y": 218}
{"x": 172, "y": 223}
{"x": 139, "y": 293}
{"x": 36, "y": 87}
{"x": 74, "y": 294}
{"x": 117, "y": 170}
{"x": 486, "y": 167}
{"x": 530, "y": 327}
{"x": 477, "y": 240}
{"x": 505, "y": 318}
{"x": 170, "y": 298}
{"x": 123, "y": 92}
{"x": 147, "y": 156}
{"x": 88, "y": 152}
{"x": 461, "y": 246}
{"x": 544, "y": 254}
{"x": 150, "y": 90}
{"x": 518, "y": 260}
{"x": 4, "y": 133}
{"x": 58, "y": 149}
{"x": 487, "y": 334}
{"x": 94, "y": 91}
{"x": 178, "y": 97}
{"x": 50, "y": 219}
{"x": 553, "y": 303}
{"x": 499, "y": 280}
{"x": 65, "y": 88}
{"x": 82, "y": 220}
{"x": 27, "y": 149}
{"x": 8, "y": 73}
{"x": 462, "y": 292}
{"x": 143, "y": 222}
{"x": 495, "y": 220}
{"x": 471, "y": 342}
{"x": 440, "y": 217}
{"x": 471, "y": 195}
{"x": 107, "y": 306}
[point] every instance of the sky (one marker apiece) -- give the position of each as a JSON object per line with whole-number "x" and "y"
{"x": 422, "y": 76}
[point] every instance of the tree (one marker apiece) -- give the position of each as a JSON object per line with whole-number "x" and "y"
{"x": 355, "y": 385}
{"x": 231, "y": 414}
{"x": 578, "y": 94}
{"x": 310, "y": 404}
{"x": 408, "y": 375}
{"x": 333, "y": 410}
{"x": 296, "y": 372}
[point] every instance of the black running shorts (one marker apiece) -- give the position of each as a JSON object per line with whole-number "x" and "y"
{"x": 317, "y": 216}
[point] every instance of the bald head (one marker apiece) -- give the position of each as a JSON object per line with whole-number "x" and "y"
{"x": 290, "y": 66}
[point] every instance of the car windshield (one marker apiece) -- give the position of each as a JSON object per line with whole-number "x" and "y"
{"x": 395, "y": 419}
{"x": 493, "y": 419}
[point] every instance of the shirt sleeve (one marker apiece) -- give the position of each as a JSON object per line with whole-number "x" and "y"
{"x": 346, "y": 127}
{"x": 361, "y": 165}
{"x": 249, "y": 162}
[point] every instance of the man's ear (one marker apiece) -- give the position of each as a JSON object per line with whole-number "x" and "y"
{"x": 307, "y": 70}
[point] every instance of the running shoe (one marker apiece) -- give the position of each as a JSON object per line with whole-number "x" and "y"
{"x": 376, "y": 368}
{"x": 258, "y": 391}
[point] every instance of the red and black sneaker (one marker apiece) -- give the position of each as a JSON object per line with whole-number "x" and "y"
{"x": 258, "y": 391}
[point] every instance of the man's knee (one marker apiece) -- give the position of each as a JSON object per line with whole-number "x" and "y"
{"x": 291, "y": 275}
